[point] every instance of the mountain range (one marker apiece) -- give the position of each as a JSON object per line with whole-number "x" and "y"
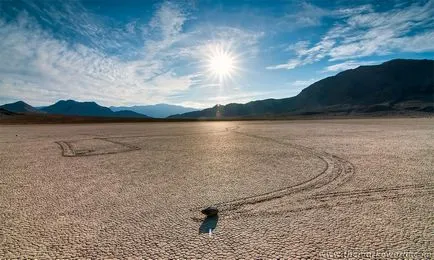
{"x": 75, "y": 108}
{"x": 396, "y": 85}
{"x": 158, "y": 110}
{"x": 20, "y": 107}
{"x": 393, "y": 85}
{"x": 71, "y": 108}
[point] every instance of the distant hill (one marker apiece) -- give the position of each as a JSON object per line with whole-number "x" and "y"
{"x": 4, "y": 112}
{"x": 20, "y": 107}
{"x": 394, "y": 85}
{"x": 74, "y": 108}
{"x": 158, "y": 110}
{"x": 128, "y": 113}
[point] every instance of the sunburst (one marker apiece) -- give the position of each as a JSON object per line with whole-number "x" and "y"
{"x": 221, "y": 62}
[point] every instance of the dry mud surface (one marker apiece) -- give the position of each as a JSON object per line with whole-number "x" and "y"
{"x": 359, "y": 188}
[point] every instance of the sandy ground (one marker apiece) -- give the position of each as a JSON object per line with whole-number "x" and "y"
{"x": 359, "y": 188}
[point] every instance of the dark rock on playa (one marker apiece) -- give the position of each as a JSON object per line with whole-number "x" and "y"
{"x": 210, "y": 211}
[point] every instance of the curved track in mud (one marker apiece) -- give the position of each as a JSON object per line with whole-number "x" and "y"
{"x": 68, "y": 149}
{"x": 336, "y": 172}
{"x": 318, "y": 192}
{"x": 344, "y": 198}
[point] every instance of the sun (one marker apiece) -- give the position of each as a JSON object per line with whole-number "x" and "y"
{"x": 221, "y": 62}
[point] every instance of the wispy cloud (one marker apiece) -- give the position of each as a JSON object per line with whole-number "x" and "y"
{"x": 298, "y": 48}
{"x": 364, "y": 32}
{"x": 160, "y": 52}
{"x": 85, "y": 62}
{"x": 304, "y": 14}
{"x": 351, "y": 64}
{"x": 36, "y": 59}
{"x": 289, "y": 65}
{"x": 165, "y": 28}
{"x": 303, "y": 83}
{"x": 307, "y": 15}
{"x": 383, "y": 32}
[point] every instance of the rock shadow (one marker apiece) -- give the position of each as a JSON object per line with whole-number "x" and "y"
{"x": 208, "y": 223}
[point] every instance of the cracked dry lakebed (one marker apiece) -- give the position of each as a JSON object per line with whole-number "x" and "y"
{"x": 307, "y": 189}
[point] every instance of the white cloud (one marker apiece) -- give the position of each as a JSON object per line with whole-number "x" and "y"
{"x": 351, "y": 64}
{"x": 165, "y": 28}
{"x": 364, "y": 32}
{"x": 303, "y": 83}
{"x": 378, "y": 33}
{"x": 42, "y": 68}
{"x": 298, "y": 48}
{"x": 347, "y": 12}
{"x": 168, "y": 20}
{"x": 304, "y": 14}
{"x": 307, "y": 15}
{"x": 418, "y": 43}
{"x": 289, "y": 65}
{"x": 306, "y": 56}
{"x": 39, "y": 63}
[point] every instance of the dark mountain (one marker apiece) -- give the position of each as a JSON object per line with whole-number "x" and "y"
{"x": 20, "y": 107}
{"x": 4, "y": 112}
{"x": 158, "y": 110}
{"x": 71, "y": 107}
{"x": 394, "y": 85}
{"x": 128, "y": 113}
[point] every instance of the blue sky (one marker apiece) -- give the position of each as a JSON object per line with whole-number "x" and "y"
{"x": 148, "y": 52}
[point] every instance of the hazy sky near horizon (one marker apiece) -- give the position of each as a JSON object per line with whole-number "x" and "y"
{"x": 147, "y": 52}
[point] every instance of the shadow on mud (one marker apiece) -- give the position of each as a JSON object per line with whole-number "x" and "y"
{"x": 208, "y": 223}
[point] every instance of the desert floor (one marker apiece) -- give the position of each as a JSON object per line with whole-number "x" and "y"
{"x": 355, "y": 188}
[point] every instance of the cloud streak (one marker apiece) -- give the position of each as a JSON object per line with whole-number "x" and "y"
{"x": 77, "y": 71}
{"x": 43, "y": 67}
{"x": 364, "y": 32}
{"x": 54, "y": 50}
{"x": 351, "y": 64}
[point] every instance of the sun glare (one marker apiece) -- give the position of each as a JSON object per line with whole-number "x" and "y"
{"x": 221, "y": 62}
